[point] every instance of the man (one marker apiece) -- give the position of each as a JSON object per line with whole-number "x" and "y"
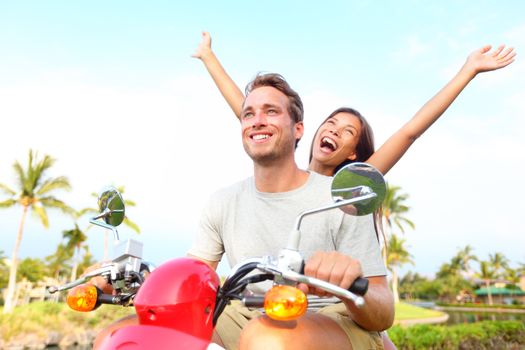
{"x": 254, "y": 217}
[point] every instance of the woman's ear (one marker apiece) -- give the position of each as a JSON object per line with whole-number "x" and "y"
{"x": 352, "y": 156}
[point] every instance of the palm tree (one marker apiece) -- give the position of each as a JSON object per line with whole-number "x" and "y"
{"x": 487, "y": 274}
{"x": 57, "y": 262}
{"x": 499, "y": 263}
{"x": 394, "y": 209}
{"x": 463, "y": 258}
{"x": 397, "y": 257}
{"x": 393, "y": 213}
{"x": 34, "y": 193}
{"x": 75, "y": 239}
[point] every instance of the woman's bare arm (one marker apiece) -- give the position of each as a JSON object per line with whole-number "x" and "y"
{"x": 229, "y": 90}
{"x": 479, "y": 61}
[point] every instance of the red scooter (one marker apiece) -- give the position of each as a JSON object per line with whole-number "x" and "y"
{"x": 179, "y": 303}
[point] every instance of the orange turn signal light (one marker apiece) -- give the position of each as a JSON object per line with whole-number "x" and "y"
{"x": 83, "y": 298}
{"x": 285, "y": 303}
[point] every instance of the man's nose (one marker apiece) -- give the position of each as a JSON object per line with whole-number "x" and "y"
{"x": 259, "y": 119}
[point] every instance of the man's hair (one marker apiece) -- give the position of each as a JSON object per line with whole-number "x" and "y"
{"x": 295, "y": 105}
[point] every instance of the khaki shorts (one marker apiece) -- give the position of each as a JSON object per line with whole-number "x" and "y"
{"x": 236, "y": 316}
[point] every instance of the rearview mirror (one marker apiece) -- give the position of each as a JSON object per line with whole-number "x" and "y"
{"x": 355, "y": 180}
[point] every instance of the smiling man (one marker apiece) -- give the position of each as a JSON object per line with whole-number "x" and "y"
{"x": 253, "y": 218}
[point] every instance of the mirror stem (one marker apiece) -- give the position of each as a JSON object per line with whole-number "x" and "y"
{"x": 295, "y": 236}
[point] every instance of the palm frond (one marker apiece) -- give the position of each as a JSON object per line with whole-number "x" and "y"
{"x": 41, "y": 213}
{"x": 7, "y": 190}
{"x": 57, "y": 183}
{"x": 129, "y": 203}
{"x": 52, "y": 202}
{"x": 8, "y": 203}
{"x": 20, "y": 176}
{"x": 131, "y": 224}
{"x": 86, "y": 211}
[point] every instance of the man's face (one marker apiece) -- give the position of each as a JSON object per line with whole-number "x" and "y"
{"x": 268, "y": 132}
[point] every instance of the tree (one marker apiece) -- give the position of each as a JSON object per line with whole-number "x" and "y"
{"x": 397, "y": 257}
{"x": 499, "y": 263}
{"x": 34, "y": 193}
{"x": 57, "y": 263}
{"x": 4, "y": 270}
{"x": 465, "y": 256}
{"x": 393, "y": 213}
{"x": 75, "y": 238}
{"x": 487, "y": 273}
{"x": 32, "y": 269}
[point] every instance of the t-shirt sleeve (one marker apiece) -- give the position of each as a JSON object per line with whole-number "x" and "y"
{"x": 208, "y": 244}
{"x": 357, "y": 238}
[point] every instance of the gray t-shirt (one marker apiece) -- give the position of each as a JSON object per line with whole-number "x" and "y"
{"x": 245, "y": 223}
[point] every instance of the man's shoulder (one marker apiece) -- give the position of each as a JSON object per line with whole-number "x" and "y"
{"x": 233, "y": 189}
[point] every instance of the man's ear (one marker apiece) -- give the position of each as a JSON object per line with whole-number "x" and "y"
{"x": 299, "y": 130}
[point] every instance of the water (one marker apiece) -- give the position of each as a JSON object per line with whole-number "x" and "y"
{"x": 457, "y": 317}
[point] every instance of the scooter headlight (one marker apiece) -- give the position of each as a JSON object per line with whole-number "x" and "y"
{"x": 83, "y": 298}
{"x": 285, "y": 303}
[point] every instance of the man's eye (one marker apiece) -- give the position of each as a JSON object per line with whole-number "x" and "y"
{"x": 247, "y": 115}
{"x": 272, "y": 111}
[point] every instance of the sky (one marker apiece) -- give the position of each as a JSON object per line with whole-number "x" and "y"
{"x": 110, "y": 91}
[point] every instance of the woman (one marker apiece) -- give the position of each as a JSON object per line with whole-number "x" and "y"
{"x": 345, "y": 136}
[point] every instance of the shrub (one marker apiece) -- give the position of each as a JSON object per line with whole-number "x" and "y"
{"x": 480, "y": 335}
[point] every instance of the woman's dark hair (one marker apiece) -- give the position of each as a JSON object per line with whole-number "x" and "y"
{"x": 365, "y": 146}
{"x": 364, "y": 150}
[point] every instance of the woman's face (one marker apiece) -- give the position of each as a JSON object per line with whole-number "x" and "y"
{"x": 336, "y": 139}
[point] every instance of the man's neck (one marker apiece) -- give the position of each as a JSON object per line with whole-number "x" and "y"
{"x": 279, "y": 177}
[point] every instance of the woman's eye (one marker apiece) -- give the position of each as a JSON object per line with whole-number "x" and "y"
{"x": 349, "y": 131}
{"x": 329, "y": 121}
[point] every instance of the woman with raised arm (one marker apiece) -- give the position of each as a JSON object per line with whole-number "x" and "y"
{"x": 345, "y": 136}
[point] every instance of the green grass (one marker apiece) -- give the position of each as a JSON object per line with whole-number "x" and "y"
{"x": 406, "y": 311}
{"x": 44, "y": 317}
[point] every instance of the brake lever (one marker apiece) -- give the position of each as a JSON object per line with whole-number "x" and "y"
{"x": 290, "y": 275}
{"x": 107, "y": 270}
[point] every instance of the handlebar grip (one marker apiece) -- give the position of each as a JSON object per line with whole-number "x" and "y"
{"x": 253, "y": 301}
{"x": 106, "y": 299}
{"x": 360, "y": 286}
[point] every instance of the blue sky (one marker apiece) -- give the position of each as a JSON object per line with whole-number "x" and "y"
{"x": 73, "y": 72}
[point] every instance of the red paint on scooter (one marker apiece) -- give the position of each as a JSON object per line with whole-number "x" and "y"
{"x": 181, "y": 295}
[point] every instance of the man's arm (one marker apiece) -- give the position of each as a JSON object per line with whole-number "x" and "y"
{"x": 212, "y": 264}
{"x": 341, "y": 270}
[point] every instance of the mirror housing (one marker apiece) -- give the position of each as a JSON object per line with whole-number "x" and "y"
{"x": 356, "y": 180}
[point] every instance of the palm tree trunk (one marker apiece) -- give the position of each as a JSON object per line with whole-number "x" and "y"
{"x": 489, "y": 294}
{"x": 9, "y": 304}
{"x": 75, "y": 265}
{"x": 395, "y": 284}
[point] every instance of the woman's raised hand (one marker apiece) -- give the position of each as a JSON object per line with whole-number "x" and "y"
{"x": 484, "y": 60}
{"x": 204, "y": 47}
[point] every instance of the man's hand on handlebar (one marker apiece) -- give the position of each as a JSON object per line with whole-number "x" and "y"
{"x": 99, "y": 281}
{"x": 333, "y": 267}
